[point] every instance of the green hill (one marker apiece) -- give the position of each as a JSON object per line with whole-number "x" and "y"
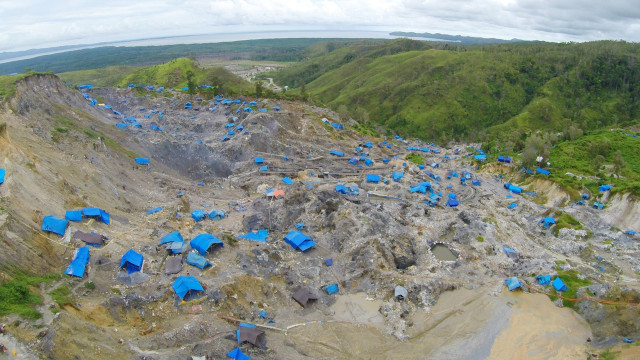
{"x": 497, "y": 92}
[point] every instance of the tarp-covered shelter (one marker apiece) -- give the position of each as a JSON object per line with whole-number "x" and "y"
{"x": 171, "y": 237}
{"x": 2, "y": 174}
{"x": 341, "y": 189}
{"x": 299, "y": 240}
{"x": 79, "y": 262}
{"x": 452, "y": 203}
{"x": 55, "y": 225}
{"x": 397, "y": 176}
{"x": 543, "y": 171}
{"x": 259, "y": 235}
{"x": 73, "y": 215}
{"x": 252, "y": 335}
{"x": 237, "y": 354}
{"x": 515, "y": 189}
{"x": 186, "y": 286}
{"x": 142, "y": 161}
{"x": 97, "y": 213}
{"x": 197, "y": 260}
{"x": 336, "y": 153}
{"x": 548, "y": 221}
{"x": 559, "y": 285}
{"x": 197, "y": 215}
{"x": 605, "y": 187}
{"x": 216, "y": 214}
{"x": 132, "y": 261}
{"x": 287, "y": 181}
{"x": 332, "y": 289}
{"x": 513, "y": 283}
{"x": 92, "y": 239}
{"x": 203, "y": 242}
{"x": 173, "y": 265}
{"x": 543, "y": 279}
{"x": 400, "y": 293}
{"x": 303, "y": 296}
{"x": 372, "y": 178}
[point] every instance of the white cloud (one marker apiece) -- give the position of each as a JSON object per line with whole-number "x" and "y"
{"x": 44, "y": 23}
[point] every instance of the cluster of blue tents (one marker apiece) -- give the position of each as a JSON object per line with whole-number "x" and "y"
{"x": 199, "y": 215}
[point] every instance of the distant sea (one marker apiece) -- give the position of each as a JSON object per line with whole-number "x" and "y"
{"x": 203, "y": 39}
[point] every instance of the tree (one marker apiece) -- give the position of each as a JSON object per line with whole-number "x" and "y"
{"x": 529, "y": 157}
{"x": 618, "y": 163}
{"x": 259, "y": 88}
{"x": 190, "y": 83}
{"x": 598, "y": 161}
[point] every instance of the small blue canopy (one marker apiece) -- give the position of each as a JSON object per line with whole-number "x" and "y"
{"x": 331, "y": 289}
{"x": 132, "y": 260}
{"x": 216, "y": 214}
{"x": 73, "y": 215}
{"x": 184, "y": 284}
{"x": 513, "y": 283}
{"x": 547, "y": 221}
{"x": 605, "y": 187}
{"x": 336, "y": 153}
{"x": 171, "y": 237}
{"x": 2, "y": 173}
{"x": 368, "y": 144}
{"x": 397, "y": 176}
{"x": 368, "y": 162}
{"x": 543, "y": 279}
{"x": 79, "y": 262}
{"x": 515, "y": 189}
{"x": 91, "y": 212}
{"x": 372, "y": 178}
{"x": 543, "y": 171}
{"x": 287, "y": 181}
{"x": 197, "y": 260}
{"x": 197, "y": 215}
{"x": 258, "y": 160}
{"x": 142, "y": 161}
{"x": 55, "y": 225}
{"x": 299, "y": 240}
{"x": 452, "y": 196}
{"x": 452, "y": 203}
{"x": 476, "y": 182}
{"x": 237, "y": 354}
{"x": 203, "y": 242}
{"x": 260, "y": 235}
{"x": 341, "y": 189}
{"x": 559, "y": 285}
{"x": 154, "y": 210}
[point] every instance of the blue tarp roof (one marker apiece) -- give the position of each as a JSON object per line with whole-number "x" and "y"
{"x": 547, "y": 221}
{"x": 176, "y": 247}
{"x": 142, "y": 161}
{"x": 258, "y": 160}
{"x": 341, "y": 189}
{"x": 452, "y": 203}
{"x": 184, "y": 284}
{"x": 132, "y": 260}
{"x": 373, "y": 178}
{"x": 336, "y": 153}
{"x": 331, "y": 289}
{"x": 513, "y": 283}
{"x": 237, "y": 354}
{"x": 559, "y": 285}
{"x": 2, "y": 173}
{"x": 605, "y": 187}
{"x": 73, "y": 215}
{"x": 197, "y": 260}
{"x": 79, "y": 262}
{"x": 216, "y": 214}
{"x": 299, "y": 240}
{"x": 171, "y": 237}
{"x": 543, "y": 279}
{"x": 397, "y": 176}
{"x": 543, "y": 171}
{"x": 287, "y": 181}
{"x": 55, "y": 225}
{"x": 515, "y": 189}
{"x": 96, "y": 212}
{"x": 197, "y": 215}
{"x": 154, "y": 210}
{"x": 260, "y": 235}
{"x": 203, "y": 242}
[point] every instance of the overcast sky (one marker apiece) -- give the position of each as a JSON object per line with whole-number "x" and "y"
{"x": 27, "y": 24}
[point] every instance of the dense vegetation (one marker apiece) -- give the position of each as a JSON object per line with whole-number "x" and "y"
{"x": 498, "y": 93}
{"x": 85, "y": 59}
{"x": 20, "y": 295}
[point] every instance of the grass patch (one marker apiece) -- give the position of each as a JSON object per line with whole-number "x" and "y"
{"x": 564, "y": 220}
{"x": 609, "y": 354}
{"x": 480, "y": 238}
{"x": 90, "y": 285}
{"x": 573, "y": 282}
{"x": 62, "y": 295}
{"x": 20, "y": 295}
{"x": 490, "y": 220}
{"x": 229, "y": 239}
{"x": 415, "y": 158}
{"x": 116, "y": 291}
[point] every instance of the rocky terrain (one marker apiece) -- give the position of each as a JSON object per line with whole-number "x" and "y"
{"x": 61, "y": 154}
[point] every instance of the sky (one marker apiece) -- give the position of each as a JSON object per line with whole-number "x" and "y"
{"x": 28, "y": 24}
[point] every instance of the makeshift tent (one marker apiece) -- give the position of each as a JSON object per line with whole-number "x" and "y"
{"x": 275, "y": 193}
{"x": 512, "y": 205}
{"x": 203, "y": 242}
{"x": 452, "y": 203}
{"x": 154, "y": 210}
{"x": 303, "y": 296}
{"x": 515, "y": 189}
{"x": 605, "y": 187}
{"x": 55, "y": 225}
{"x": 73, "y": 215}
{"x": 186, "y": 285}
{"x": 258, "y": 160}
{"x": 260, "y": 235}
{"x": 197, "y": 260}
{"x": 400, "y": 293}
{"x": 476, "y": 182}
{"x": 547, "y": 221}
{"x": 197, "y": 215}
{"x": 216, "y": 214}
{"x": 252, "y": 335}
{"x": 372, "y": 178}
{"x": 341, "y": 189}
{"x": 171, "y": 237}
{"x": 97, "y": 213}
{"x": 397, "y": 176}
{"x": 173, "y": 265}
{"x": 559, "y": 285}
{"x": 513, "y": 283}
{"x": 264, "y": 168}
{"x": 92, "y": 239}
{"x": 543, "y": 171}
{"x": 287, "y": 181}
{"x": 142, "y": 161}
{"x": 332, "y": 289}
{"x": 79, "y": 262}
{"x": 237, "y": 354}
{"x": 2, "y": 173}
{"x": 132, "y": 260}
{"x": 299, "y": 240}
{"x": 543, "y": 279}
{"x": 336, "y": 153}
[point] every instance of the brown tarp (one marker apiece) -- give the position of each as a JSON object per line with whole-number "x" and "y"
{"x": 303, "y": 295}
{"x": 89, "y": 238}
{"x": 173, "y": 265}
{"x": 252, "y": 335}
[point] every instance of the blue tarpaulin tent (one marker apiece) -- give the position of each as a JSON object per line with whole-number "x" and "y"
{"x": 73, "y": 215}
{"x": 513, "y": 283}
{"x": 299, "y": 240}
{"x": 2, "y": 173}
{"x": 476, "y": 182}
{"x": 258, "y": 160}
{"x": 203, "y": 242}
{"x": 559, "y": 285}
{"x": 260, "y": 235}
{"x": 237, "y": 354}
{"x": 95, "y": 213}
{"x": 154, "y": 210}
{"x": 543, "y": 279}
{"x": 55, "y": 225}
{"x": 336, "y": 153}
{"x": 543, "y": 171}
{"x": 397, "y": 176}
{"x": 197, "y": 260}
{"x": 142, "y": 161}
{"x": 548, "y": 221}
{"x": 515, "y": 189}
{"x": 605, "y": 187}
{"x": 332, "y": 289}
{"x": 132, "y": 260}
{"x": 171, "y": 237}
{"x": 197, "y": 215}
{"x": 79, "y": 262}
{"x": 452, "y": 203}
{"x": 216, "y": 214}
{"x": 372, "y": 178}
{"x": 287, "y": 181}
{"x": 186, "y": 284}
{"x": 341, "y": 189}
